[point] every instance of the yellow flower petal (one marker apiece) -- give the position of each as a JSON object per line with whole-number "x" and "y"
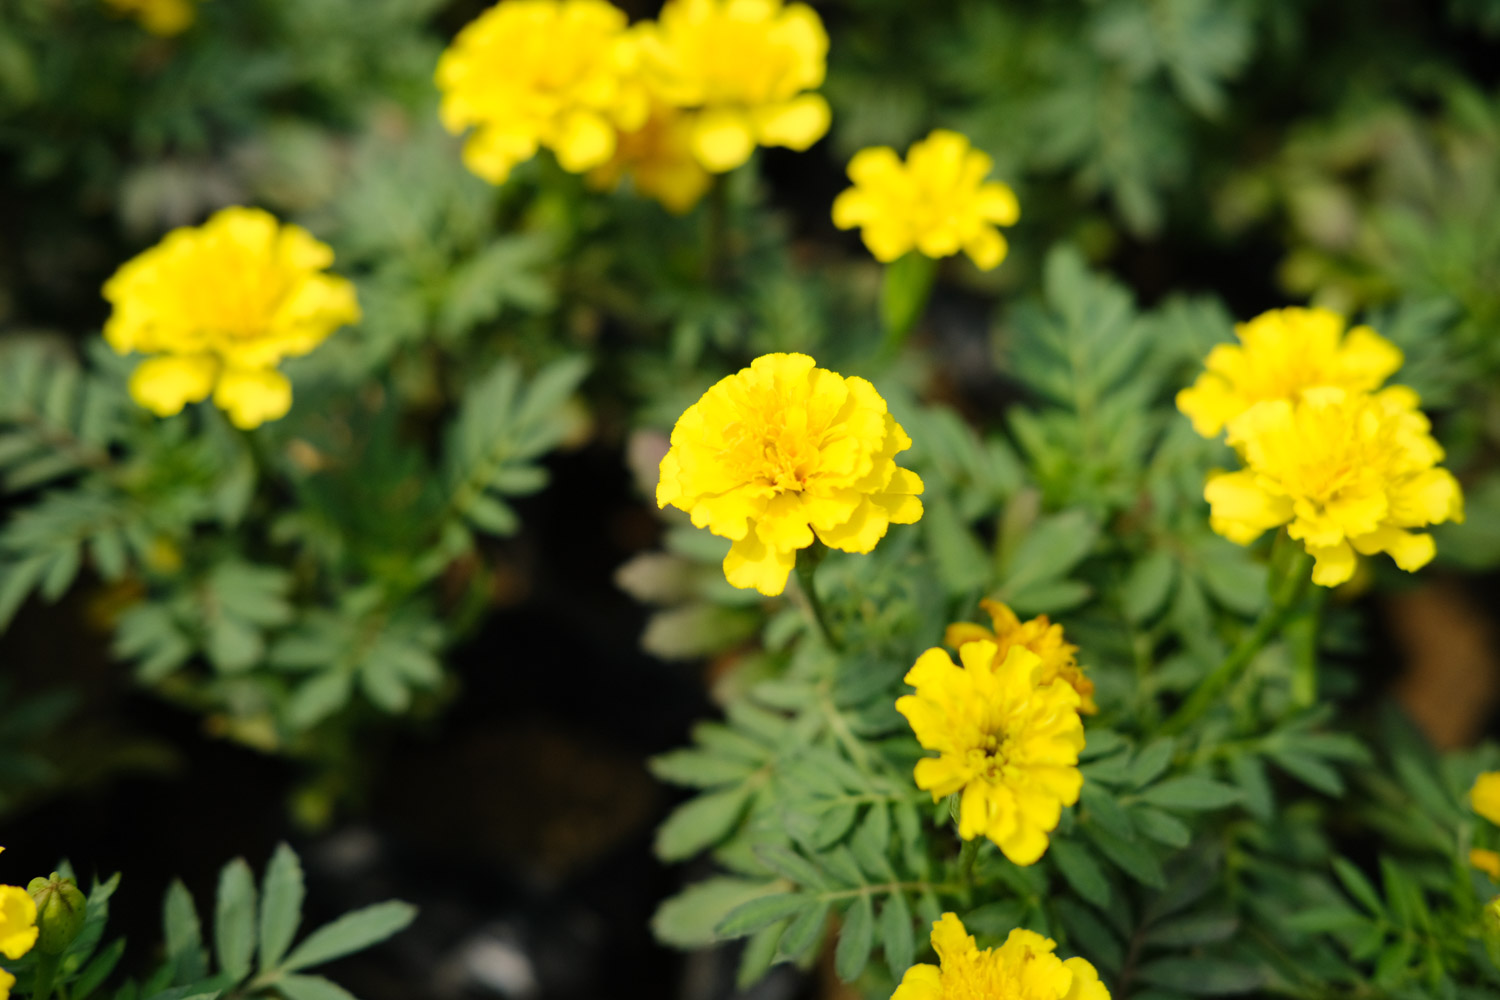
{"x": 1484, "y": 796}
{"x": 18, "y": 930}
{"x": 797, "y": 124}
{"x": 254, "y": 396}
{"x": 165, "y": 385}
{"x": 750, "y": 563}
{"x": 722, "y": 140}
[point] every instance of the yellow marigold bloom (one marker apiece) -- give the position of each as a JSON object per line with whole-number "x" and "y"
{"x": 658, "y": 158}
{"x": 221, "y": 305}
{"x": 1059, "y": 657}
{"x": 783, "y": 451}
{"x": 18, "y": 928}
{"x": 160, "y": 17}
{"x": 1007, "y": 741}
{"x": 938, "y": 201}
{"x": 532, "y": 73}
{"x": 1485, "y": 796}
{"x": 1281, "y": 353}
{"x": 1486, "y": 861}
{"x": 1346, "y": 472}
{"x": 743, "y": 67}
{"x": 1023, "y": 968}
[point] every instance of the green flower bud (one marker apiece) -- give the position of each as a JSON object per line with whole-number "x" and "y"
{"x": 60, "y": 910}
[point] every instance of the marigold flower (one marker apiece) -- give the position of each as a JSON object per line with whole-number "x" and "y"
{"x": 1346, "y": 472}
{"x": 160, "y": 17}
{"x": 1059, "y": 657}
{"x": 531, "y": 73}
{"x": 743, "y": 67}
{"x": 1023, "y": 968}
{"x": 18, "y": 928}
{"x": 1007, "y": 741}
{"x": 1486, "y": 861}
{"x": 1281, "y": 353}
{"x": 781, "y": 452}
{"x": 221, "y": 305}
{"x": 658, "y": 158}
{"x": 1485, "y": 796}
{"x": 938, "y": 201}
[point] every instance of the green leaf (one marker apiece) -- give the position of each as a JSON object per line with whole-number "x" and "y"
{"x": 1191, "y": 793}
{"x": 184, "y": 935}
{"x": 97, "y": 971}
{"x": 792, "y": 866}
{"x": 687, "y": 920}
{"x": 856, "y": 938}
{"x": 1250, "y": 774}
{"x": 234, "y": 919}
{"x": 1147, "y": 586}
{"x": 699, "y": 769}
{"x": 1194, "y": 929}
{"x": 1161, "y": 827}
{"x": 752, "y": 915}
{"x": 700, "y": 823}
{"x": 350, "y": 933}
{"x": 897, "y": 934}
{"x": 1202, "y": 976}
{"x": 1310, "y": 770}
{"x": 1358, "y": 886}
{"x": 1150, "y": 762}
{"x": 1050, "y": 550}
{"x": 311, "y": 988}
{"x": 1080, "y": 871}
{"x": 1322, "y": 919}
{"x": 804, "y": 932}
{"x": 281, "y": 906}
{"x": 1131, "y": 856}
{"x": 759, "y": 953}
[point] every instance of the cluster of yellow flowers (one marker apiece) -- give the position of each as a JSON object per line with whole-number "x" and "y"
{"x": 1346, "y": 466}
{"x": 1023, "y": 968}
{"x": 160, "y": 17}
{"x": 667, "y": 102}
{"x": 219, "y": 306}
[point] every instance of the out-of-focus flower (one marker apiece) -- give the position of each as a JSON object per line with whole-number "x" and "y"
{"x": 1281, "y": 353}
{"x": 1346, "y": 471}
{"x": 1485, "y": 796}
{"x": 1486, "y": 861}
{"x": 744, "y": 69}
{"x": 782, "y": 452}
{"x": 18, "y": 928}
{"x": 160, "y": 17}
{"x": 220, "y": 305}
{"x": 937, "y": 202}
{"x": 1005, "y": 740}
{"x": 532, "y": 73}
{"x": 1059, "y": 657}
{"x": 658, "y": 158}
{"x": 1025, "y": 967}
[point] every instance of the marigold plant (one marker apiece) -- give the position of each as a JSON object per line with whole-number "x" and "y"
{"x": 745, "y": 70}
{"x": 784, "y": 452}
{"x": 1025, "y": 967}
{"x": 527, "y": 74}
{"x": 218, "y": 307}
{"x": 1281, "y": 353}
{"x": 937, "y": 202}
{"x": 1346, "y": 472}
{"x": 1007, "y": 740}
{"x": 1040, "y": 635}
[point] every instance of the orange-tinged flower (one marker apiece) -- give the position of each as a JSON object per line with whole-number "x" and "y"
{"x": 1059, "y": 657}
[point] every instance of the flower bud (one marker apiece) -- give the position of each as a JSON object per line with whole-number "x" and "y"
{"x": 60, "y": 910}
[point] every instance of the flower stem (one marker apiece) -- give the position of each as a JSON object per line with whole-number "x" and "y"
{"x": 903, "y": 298}
{"x": 967, "y": 855}
{"x": 46, "y": 972}
{"x": 1288, "y": 594}
{"x": 716, "y": 250}
{"x": 807, "y": 564}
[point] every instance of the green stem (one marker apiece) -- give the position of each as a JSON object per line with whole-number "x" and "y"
{"x": 46, "y": 971}
{"x": 807, "y": 564}
{"x": 716, "y": 249}
{"x": 967, "y": 855}
{"x": 1288, "y": 593}
{"x": 903, "y": 299}
{"x": 1302, "y": 633}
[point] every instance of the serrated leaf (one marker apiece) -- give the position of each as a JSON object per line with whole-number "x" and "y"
{"x": 184, "y": 934}
{"x": 1191, "y": 794}
{"x": 806, "y": 930}
{"x": 699, "y": 823}
{"x": 752, "y": 915}
{"x": 1358, "y": 886}
{"x": 1080, "y": 871}
{"x": 687, "y": 920}
{"x": 350, "y": 933}
{"x": 234, "y": 919}
{"x": 281, "y": 906}
{"x": 897, "y": 934}
{"x": 856, "y": 939}
{"x": 759, "y": 953}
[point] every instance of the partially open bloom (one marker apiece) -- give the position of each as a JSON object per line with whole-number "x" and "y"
{"x": 744, "y": 68}
{"x": 533, "y": 73}
{"x": 1485, "y": 796}
{"x": 1023, "y": 968}
{"x": 220, "y": 305}
{"x": 1346, "y": 472}
{"x": 781, "y": 452}
{"x": 1281, "y": 353}
{"x": 160, "y": 17}
{"x": 1006, "y": 740}
{"x": 938, "y": 201}
{"x": 658, "y": 158}
{"x": 1059, "y": 657}
{"x": 18, "y": 928}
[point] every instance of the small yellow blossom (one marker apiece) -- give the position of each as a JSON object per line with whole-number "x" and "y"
{"x": 1485, "y": 796}
{"x": 160, "y": 17}
{"x": 938, "y": 201}
{"x": 1023, "y": 968}
{"x": 1281, "y": 353}
{"x": 6, "y": 982}
{"x": 1059, "y": 657}
{"x": 744, "y": 69}
{"x": 220, "y": 305}
{"x": 1007, "y": 741}
{"x": 1486, "y": 861}
{"x": 658, "y": 158}
{"x": 780, "y": 452}
{"x": 18, "y": 928}
{"x": 1347, "y": 472}
{"x": 533, "y": 73}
